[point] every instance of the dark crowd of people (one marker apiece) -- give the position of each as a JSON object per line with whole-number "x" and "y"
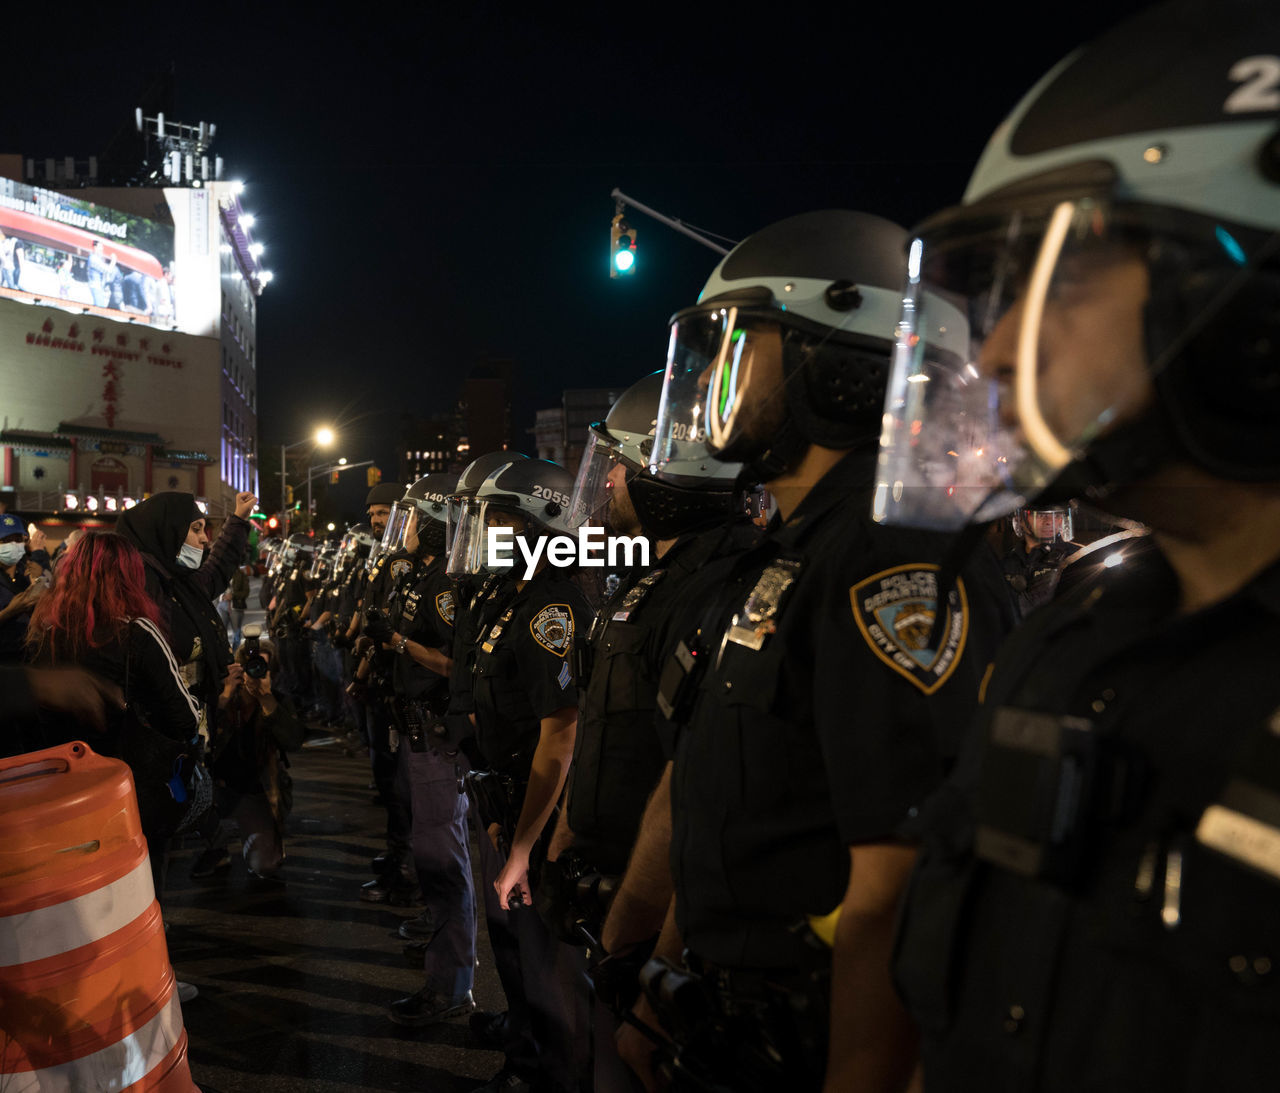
{"x": 879, "y": 771}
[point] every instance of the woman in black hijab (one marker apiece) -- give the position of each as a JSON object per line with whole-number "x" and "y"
{"x": 170, "y": 531}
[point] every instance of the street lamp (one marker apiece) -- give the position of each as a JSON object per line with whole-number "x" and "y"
{"x": 321, "y": 438}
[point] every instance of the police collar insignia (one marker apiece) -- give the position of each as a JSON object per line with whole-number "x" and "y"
{"x": 895, "y": 611}
{"x": 552, "y": 628}
{"x": 400, "y": 567}
{"x": 444, "y": 605}
{"x": 757, "y": 619}
{"x": 565, "y": 677}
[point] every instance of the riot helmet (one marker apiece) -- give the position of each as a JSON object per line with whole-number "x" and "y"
{"x": 417, "y": 522}
{"x": 1117, "y": 253}
{"x": 702, "y": 493}
{"x": 468, "y": 482}
{"x": 532, "y": 497}
{"x": 322, "y": 561}
{"x": 1044, "y": 526}
{"x": 787, "y": 346}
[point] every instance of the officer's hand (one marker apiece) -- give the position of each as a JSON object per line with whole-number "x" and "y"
{"x": 513, "y": 882}
{"x": 244, "y": 504}
{"x": 76, "y": 692}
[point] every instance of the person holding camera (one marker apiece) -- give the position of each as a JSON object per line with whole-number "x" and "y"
{"x": 256, "y": 728}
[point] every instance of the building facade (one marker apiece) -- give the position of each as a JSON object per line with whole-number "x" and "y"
{"x": 128, "y": 346}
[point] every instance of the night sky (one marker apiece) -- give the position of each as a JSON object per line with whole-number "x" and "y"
{"x": 432, "y": 185}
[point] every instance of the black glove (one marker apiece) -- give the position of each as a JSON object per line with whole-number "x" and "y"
{"x": 377, "y": 627}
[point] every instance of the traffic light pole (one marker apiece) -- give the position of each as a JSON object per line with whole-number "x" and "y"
{"x": 675, "y": 225}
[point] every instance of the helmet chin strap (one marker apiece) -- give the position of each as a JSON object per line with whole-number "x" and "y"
{"x": 1128, "y": 454}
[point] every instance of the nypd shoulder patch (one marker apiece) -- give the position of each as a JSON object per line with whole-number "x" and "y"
{"x": 895, "y": 611}
{"x": 552, "y": 628}
{"x": 445, "y": 606}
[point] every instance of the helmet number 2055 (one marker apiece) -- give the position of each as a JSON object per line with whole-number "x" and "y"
{"x": 550, "y": 495}
{"x": 1259, "y": 79}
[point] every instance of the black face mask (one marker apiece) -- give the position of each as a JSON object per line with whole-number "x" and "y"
{"x": 431, "y": 538}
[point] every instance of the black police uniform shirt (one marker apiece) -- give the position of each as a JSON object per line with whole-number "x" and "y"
{"x": 619, "y": 754}
{"x": 477, "y": 605}
{"x": 1033, "y": 574}
{"x": 423, "y": 613}
{"x": 824, "y": 717}
{"x": 293, "y": 594}
{"x": 524, "y": 668}
{"x": 1110, "y": 920}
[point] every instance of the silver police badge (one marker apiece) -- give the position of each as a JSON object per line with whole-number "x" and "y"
{"x": 400, "y": 567}
{"x": 751, "y": 626}
{"x": 552, "y": 628}
{"x": 895, "y": 611}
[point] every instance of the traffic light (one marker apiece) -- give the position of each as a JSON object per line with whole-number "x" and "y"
{"x": 273, "y": 522}
{"x": 333, "y": 478}
{"x": 288, "y": 491}
{"x": 373, "y": 476}
{"x": 623, "y": 251}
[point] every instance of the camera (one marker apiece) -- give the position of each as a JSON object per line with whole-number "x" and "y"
{"x": 255, "y": 664}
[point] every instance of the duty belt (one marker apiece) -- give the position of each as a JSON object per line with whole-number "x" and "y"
{"x": 749, "y": 1029}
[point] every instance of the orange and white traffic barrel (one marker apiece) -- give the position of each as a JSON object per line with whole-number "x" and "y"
{"x": 87, "y": 995}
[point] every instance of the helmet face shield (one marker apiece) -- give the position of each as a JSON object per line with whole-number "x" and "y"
{"x": 595, "y": 491}
{"x": 393, "y": 536}
{"x": 1025, "y": 335}
{"x": 716, "y": 359}
{"x": 470, "y": 554}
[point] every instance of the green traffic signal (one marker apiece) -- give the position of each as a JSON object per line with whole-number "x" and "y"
{"x": 623, "y": 248}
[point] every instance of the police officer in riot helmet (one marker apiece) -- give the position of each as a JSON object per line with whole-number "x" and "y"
{"x": 396, "y": 880}
{"x": 1042, "y": 543}
{"x": 815, "y": 697}
{"x": 697, "y": 526}
{"x": 418, "y": 628}
{"x": 479, "y": 597}
{"x": 525, "y": 697}
{"x": 1098, "y": 904}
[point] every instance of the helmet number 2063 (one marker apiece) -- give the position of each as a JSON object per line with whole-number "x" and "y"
{"x": 1259, "y": 79}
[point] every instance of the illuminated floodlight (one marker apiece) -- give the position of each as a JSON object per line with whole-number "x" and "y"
{"x": 70, "y": 501}
{"x": 127, "y": 503}
{"x": 111, "y": 504}
{"x": 266, "y": 276}
{"x": 324, "y": 436}
{"x": 91, "y": 503}
{"x": 237, "y": 186}
{"x": 342, "y": 462}
{"x": 256, "y": 249}
{"x": 247, "y": 220}
{"x": 331, "y": 527}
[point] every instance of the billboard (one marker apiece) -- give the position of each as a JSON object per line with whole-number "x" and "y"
{"x": 84, "y": 256}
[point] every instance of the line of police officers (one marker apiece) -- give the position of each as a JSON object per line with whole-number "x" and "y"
{"x": 785, "y": 810}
